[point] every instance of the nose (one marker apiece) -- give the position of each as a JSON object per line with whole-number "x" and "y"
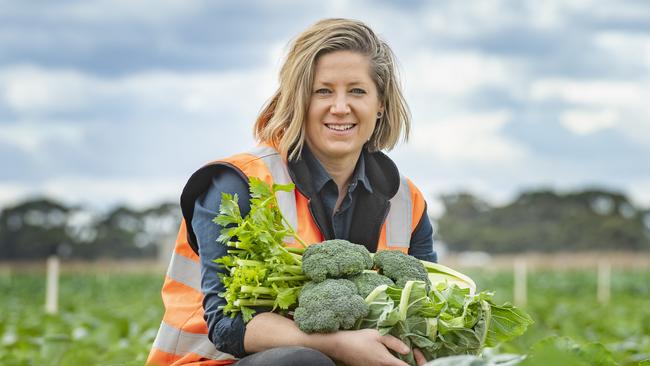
{"x": 340, "y": 105}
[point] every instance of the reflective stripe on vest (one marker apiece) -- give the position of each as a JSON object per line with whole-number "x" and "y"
{"x": 280, "y": 174}
{"x": 178, "y": 342}
{"x": 186, "y": 271}
{"x": 398, "y": 222}
{"x": 182, "y": 339}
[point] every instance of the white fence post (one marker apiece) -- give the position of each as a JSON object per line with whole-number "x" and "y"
{"x": 604, "y": 281}
{"x": 52, "y": 288}
{"x": 520, "y": 286}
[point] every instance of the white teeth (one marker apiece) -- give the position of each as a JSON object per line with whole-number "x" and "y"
{"x": 340, "y": 127}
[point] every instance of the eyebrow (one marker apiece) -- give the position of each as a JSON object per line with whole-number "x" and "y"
{"x": 326, "y": 83}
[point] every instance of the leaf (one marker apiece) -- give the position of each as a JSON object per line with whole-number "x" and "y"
{"x": 227, "y": 234}
{"x": 380, "y": 305}
{"x": 283, "y": 187}
{"x": 506, "y": 323}
{"x": 258, "y": 188}
{"x": 247, "y": 313}
{"x": 287, "y": 297}
{"x": 468, "y": 360}
{"x": 229, "y": 208}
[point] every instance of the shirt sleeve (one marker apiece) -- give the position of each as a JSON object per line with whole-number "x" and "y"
{"x": 225, "y": 332}
{"x": 421, "y": 245}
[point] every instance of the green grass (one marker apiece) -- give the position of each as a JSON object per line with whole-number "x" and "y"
{"x": 112, "y": 319}
{"x": 103, "y": 320}
{"x": 565, "y": 304}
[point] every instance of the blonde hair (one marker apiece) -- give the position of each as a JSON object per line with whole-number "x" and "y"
{"x": 281, "y": 122}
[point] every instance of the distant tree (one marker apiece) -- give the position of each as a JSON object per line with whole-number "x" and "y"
{"x": 128, "y": 233}
{"x": 34, "y": 229}
{"x": 160, "y": 228}
{"x": 37, "y": 228}
{"x": 544, "y": 220}
{"x": 118, "y": 233}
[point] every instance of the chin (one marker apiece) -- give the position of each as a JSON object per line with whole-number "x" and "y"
{"x": 342, "y": 152}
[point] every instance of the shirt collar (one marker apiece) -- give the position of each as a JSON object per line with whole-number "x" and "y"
{"x": 320, "y": 177}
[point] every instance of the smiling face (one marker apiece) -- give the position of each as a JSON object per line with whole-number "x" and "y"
{"x": 343, "y": 107}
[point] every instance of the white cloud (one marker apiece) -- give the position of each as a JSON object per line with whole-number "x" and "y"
{"x": 630, "y": 48}
{"x": 609, "y": 104}
{"x": 31, "y": 136}
{"x": 453, "y": 74}
{"x": 639, "y": 190}
{"x": 29, "y": 89}
{"x": 621, "y": 10}
{"x": 97, "y": 192}
{"x": 138, "y": 192}
{"x": 32, "y": 90}
{"x": 591, "y": 92}
{"x": 146, "y": 11}
{"x": 456, "y": 19}
{"x": 11, "y": 193}
{"x": 585, "y": 121}
{"x": 473, "y": 138}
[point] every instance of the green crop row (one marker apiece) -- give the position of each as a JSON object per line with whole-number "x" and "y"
{"x": 102, "y": 320}
{"x": 112, "y": 319}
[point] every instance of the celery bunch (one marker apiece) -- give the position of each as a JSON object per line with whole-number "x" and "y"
{"x": 261, "y": 270}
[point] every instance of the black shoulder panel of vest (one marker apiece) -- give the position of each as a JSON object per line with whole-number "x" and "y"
{"x": 382, "y": 173}
{"x": 198, "y": 183}
{"x": 371, "y": 209}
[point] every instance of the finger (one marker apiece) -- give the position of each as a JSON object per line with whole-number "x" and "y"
{"x": 395, "y": 344}
{"x": 419, "y": 357}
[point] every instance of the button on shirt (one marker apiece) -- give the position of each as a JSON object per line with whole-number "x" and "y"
{"x": 228, "y": 333}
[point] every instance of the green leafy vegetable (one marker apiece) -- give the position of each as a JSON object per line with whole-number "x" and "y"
{"x": 429, "y": 306}
{"x": 446, "y": 321}
{"x": 261, "y": 270}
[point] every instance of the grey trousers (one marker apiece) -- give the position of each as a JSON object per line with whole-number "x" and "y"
{"x": 286, "y": 356}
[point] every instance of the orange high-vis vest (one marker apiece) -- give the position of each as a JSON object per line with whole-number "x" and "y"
{"x": 183, "y": 335}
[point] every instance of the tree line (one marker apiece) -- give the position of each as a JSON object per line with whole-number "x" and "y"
{"x": 41, "y": 227}
{"x": 540, "y": 220}
{"x": 544, "y": 221}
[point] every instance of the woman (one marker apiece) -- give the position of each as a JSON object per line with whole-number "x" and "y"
{"x": 338, "y": 105}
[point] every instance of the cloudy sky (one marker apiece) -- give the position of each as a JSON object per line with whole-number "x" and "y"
{"x": 120, "y": 101}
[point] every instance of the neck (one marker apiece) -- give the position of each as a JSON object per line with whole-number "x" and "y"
{"x": 340, "y": 171}
{"x": 340, "y": 168}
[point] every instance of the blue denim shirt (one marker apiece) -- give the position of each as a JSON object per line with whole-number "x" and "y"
{"x": 228, "y": 333}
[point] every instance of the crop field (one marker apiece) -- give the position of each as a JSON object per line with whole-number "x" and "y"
{"x": 112, "y": 319}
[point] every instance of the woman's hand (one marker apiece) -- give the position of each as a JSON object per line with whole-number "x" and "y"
{"x": 367, "y": 347}
{"x": 419, "y": 357}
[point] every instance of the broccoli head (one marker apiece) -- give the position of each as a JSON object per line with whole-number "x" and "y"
{"x": 400, "y": 267}
{"x": 335, "y": 258}
{"x": 328, "y": 306}
{"x": 366, "y": 282}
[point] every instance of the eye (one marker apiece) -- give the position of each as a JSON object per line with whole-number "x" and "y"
{"x": 322, "y": 91}
{"x": 358, "y": 91}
